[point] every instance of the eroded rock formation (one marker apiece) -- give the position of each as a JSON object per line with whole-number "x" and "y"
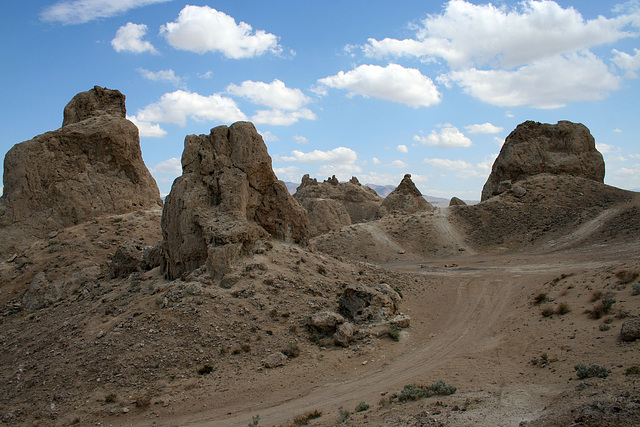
{"x": 90, "y": 167}
{"x": 534, "y": 148}
{"x": 332, "y": 205}
{"x": 226, "y": 201}
{"x": 406, "y": 199}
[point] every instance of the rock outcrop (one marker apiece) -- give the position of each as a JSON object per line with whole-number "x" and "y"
{"x": 365, "y": 304}
{"x": 406, "y": 199}
{"x": 90, "y": 167}
{"x": 226, "y": 201}
{"x": 332, "y": 204}
{"x": 457, "y": 202}
{"x": 534, "y": 148}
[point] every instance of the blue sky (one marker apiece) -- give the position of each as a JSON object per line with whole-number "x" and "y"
{"x": 373, "y": 89}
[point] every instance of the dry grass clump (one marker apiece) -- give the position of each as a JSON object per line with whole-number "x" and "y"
{"x": 627, "y": 276}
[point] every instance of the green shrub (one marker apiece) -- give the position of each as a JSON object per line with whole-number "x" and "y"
{"x": 604, "y": 327}
{"x": 255, "y": 421}
{"x": 394, "y": 334}
{"x": 362, "y": 406}
{"x": 442, "y": 388}
{"x": 412, "y": 392}
{"x": 593, "y": 370}
{"x": 636, "y": 289}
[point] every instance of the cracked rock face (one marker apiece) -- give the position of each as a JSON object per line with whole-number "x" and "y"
{"x": 534, "y": 148}
{"x": 226, "y": 201}
{"x": 90, "y": 167}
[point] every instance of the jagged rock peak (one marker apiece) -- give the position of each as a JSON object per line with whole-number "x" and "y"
{"x": 227, "y": 200}
{"x": 96, "y": 102}
{"x": 85, "y": 169}
{"x": 406, "y": 199}
{"x": 534, "y": 148}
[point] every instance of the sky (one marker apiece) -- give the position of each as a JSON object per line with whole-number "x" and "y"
{"x": 372, "y": 89}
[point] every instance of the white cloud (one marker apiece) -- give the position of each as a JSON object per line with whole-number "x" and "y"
{"x": 298, "y": 139}
{"x": 342, "y": 172}
{"x": 634, "y": 156}
{"x": 288, "y": 173}
{"x": 629, "y": 63}
{"x": 605, "y": 148}
{"x": 498, "y": 141}
{"x": 176, "y": 107}
{"x": 548, "y": 83}
{"x": 172, "y": 166}
{"x": 81, "y": 11}
{"x": 399, "y": 164}
{"x": 168, "y": 76}
{"x": 274, "y": 95}
{"x": 402, "y": 148}
{"x": 392, "y": 83}
{"x": 463, "y": 168}
{"x": 616, "y": 130}
{"x": 484, "y": 128}
{"x": 449, "y": 136}
{"x": 339, "y": 155}
{"x": 282, "y": 118}
{"x": 268, "y": 136}
{"x": 203, "y": 29}
{"x": 146, "y": 129}
{"x": 129, "y": 39}
{"x": 376, "y": 161}
{"x": 207, "y": 75}
{"x": 467, "y": 35}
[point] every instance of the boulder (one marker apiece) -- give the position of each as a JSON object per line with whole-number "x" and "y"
{"x": 401, "y": 321}
{"x": 42, "y": 293}
{"x": 226, "y": 201}
{"x": 90, "y": 167}
{"x": 630, "y": 330}
{"x": 406, "y": 199}
{"x": 133, "y": 256}
{"x": 326, "y": 322}
{"x": 457, "y": 202}
{"x": 344, "y": 335}
{"x": 365, "y": 304}
{"x": 360, "y": 202}
{"x": 274, "y": 360}
{"x": 534, "y": 148}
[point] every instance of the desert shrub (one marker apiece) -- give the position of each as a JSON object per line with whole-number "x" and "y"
{"x": 205, "y": 369}
{"x": 412, "y": 392}
{"x": 362, "y": 406}
{"x": 633, "y": 370}
{"x": 636, "y": 289}
{"x": 603, "y": 307}
{"x": 594, "y": 370}
{"x": 563, "y": 308}
{"x": 246, "y": 347}
{"x": 255, "y": 421}
{"x": 547, "y": 312}
{"x": 561, "y": 277}
{"x": 303, "y": 420}
{"x": 442, "y": 388}
{"x": 342, "y": 416}
{"x": 596, "y": 295}
{"x": 540, "y": 298}
{"x": 627, "y": 276}
{"x": 111, "y": 398}
{"x": 394, "y": 334}
{"x": 604, "y": 327}
{"x": 292, "y": 350}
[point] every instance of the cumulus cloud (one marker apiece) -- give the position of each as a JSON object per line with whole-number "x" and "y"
{"x": 129, "y": 39}
{"x": 535, "y": 53}
{"x": 298, "y": 139}
{"x": 468, "y": 35}
{"x": 628, "y": 63}
{"x": 203, "y": 29}
{"x": 485, "y": 128}
{"x": 448, "y": 136}
{"x": 392, "y": 83}
{"x": 339, "y": 155}
{"x": 268, "y": 136}
{"x": 278, "y": 117}
{"x": 168, "y": 76}
{"x": 462, "y": 168}
{"x": 548, "y": 83}
{"x": 146, "y": 129}
{"x": 288, "y": 173}
{"x": 274, "y": 95}
{"x": 376, "y": 161}
{"x": 342, "y": 172}
{"x": 172, "y": 166}
{"x": 399, "y": 164}
{"x": 81, "y": 11}
{"x": 402, "y": 148}
{"x": 176, "y": 107}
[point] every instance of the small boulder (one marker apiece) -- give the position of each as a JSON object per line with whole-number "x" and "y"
{"x": 344, "y": 335}
{"x": 134, "y": 256}
{"x": 401, "y": 321}
{"x": 326, "y": 321}
{"x": 274, "y": 360}
{"x": 42, "y": 293}
{"x": 630, "y": 330}
{"x": 374, "y": 304}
